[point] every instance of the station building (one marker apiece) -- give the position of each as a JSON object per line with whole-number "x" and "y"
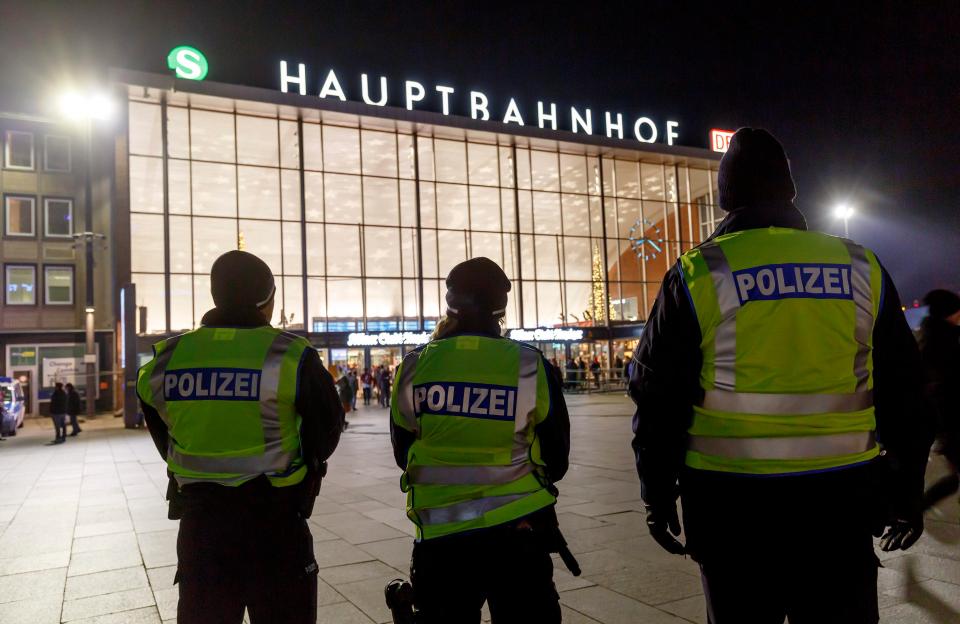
{"x": 361, "y": 211}
{"x": 43, "y": 307}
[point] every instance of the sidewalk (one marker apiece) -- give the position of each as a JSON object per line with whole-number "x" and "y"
{"x": 84, "y": 536}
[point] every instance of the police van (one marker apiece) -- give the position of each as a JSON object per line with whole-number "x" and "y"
{"x": 14, "y": 406}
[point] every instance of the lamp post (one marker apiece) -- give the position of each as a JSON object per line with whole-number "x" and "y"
{"x": 85, "y": 109}
{"x": 844, "y": 211}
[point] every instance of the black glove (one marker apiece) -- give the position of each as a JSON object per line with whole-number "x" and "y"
{"x": 662, "y": 520}
{"x": 902, "y": 532}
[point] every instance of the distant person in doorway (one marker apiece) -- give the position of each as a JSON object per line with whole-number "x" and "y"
{"x": 940, "y": 349}
{"x": 366, "y": 380}
{"x": 58, "y": 412}
{"x": 73, "y": 409}
{"x": 597, "y": 371}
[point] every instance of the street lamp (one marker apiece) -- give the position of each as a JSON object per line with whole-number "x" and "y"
{"x": 844, "y": 211}
{"x": 85, "y": 108}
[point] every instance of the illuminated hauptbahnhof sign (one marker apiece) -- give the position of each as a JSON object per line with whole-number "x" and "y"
{"x": 414, "y": 95}
{"x": 362, "y": 191}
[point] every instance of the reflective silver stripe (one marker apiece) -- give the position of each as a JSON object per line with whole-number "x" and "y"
{"x": 405, "y": 391}
{"x": 467, "y": 510}
{"x": 274, "y": 459}
{"x": 238, "y": 480}
{"x": 801, "y": 447}
{"x": 526, "y": 388}
{"x": 796, "y": 404}
{"x": 156, "y": 377}
{"x": 468, "y": 475}
{"x": 863, "y": 299}
{"x": 725, "y": 336}
{"x": 270, "y": 387}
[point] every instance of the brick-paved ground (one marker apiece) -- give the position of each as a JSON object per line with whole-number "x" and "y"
{"x": 84, "y": 536}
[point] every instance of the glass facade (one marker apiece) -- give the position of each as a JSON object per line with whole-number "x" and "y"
{"x": 360, "y": 222}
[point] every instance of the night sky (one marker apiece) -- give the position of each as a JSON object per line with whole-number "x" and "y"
{"x": 865, "y": 100}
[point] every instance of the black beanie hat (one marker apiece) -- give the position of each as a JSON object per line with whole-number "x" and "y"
{"x": 478, "y": 283}
{"x": 754, "y": 170}
{"x": 942, "y": 303}
{"x": 241, "y": 280}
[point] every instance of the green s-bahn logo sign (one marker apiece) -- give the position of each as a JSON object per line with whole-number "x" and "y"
{"x": 188, "y": 63}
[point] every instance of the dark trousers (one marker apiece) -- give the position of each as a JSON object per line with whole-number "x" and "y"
{"x": 258, "y": 557}
{"x": 74, "y": 426}
{"x": 366, "y": 395}
{"x": 771, "y": 548}
{"x": 506, "y": 567}
{"x": 59, "y": 426}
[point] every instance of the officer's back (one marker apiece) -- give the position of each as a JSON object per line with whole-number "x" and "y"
{"x": 774, "y": 365}
{"x": 245, "y": 417}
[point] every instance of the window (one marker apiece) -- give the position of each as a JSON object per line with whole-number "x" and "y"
{"x": 20, "y": 284}
{"x": 19, "y": 150}
{"x": 20, "y": 215}
{"x": 56, "y": 153}
{"x": 58, "y": 285}
{"x": 58, "y": 218}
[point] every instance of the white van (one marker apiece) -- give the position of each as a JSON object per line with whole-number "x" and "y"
{"x": 14, "y": 406}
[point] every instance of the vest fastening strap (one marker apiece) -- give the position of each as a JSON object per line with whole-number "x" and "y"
{"x": 405, "y": 391}
{"x": 725, "y": 337}
{"x": 467, "y": 510}
{"x": 526, "y": 388}
{"x": 863, "y": 299}
{"x": 794, "y": 404}
{"x": 801, "y": 447}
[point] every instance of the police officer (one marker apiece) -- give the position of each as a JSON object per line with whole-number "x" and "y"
{"x": 774, "y": 369}
{"x": 481, "y": 430}
{"x": 245, "y": 416}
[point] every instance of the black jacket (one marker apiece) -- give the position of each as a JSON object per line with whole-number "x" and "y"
{"x": 940, "y": 349}
{"x": 316, "y": 402}
{"x": 665, "y": 384}
{"x": 58, "y": 402}
{"x": 553, "y": 432}
{"x": 73, "y": 402}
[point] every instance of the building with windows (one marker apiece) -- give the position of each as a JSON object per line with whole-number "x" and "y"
{"x": 362, "y": 210}
{"x": 42, "y": 184}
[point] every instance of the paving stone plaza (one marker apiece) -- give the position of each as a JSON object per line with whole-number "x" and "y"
{"x": 84, "y": 536}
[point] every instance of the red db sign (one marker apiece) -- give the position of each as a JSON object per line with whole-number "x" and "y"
{"x": 720, "y": 139}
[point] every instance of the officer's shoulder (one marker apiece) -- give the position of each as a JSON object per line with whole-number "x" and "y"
{"x": 527, "y": 346}
{"x": 291, "y": 337}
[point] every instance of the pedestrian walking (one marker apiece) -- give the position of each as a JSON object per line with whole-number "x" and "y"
{"x": 58, "y": 412}
{"x": 481, "y": 430}
{"x": 73, "y": 408}
{"x": 354, "y": 388}
{"x": 245, "y": 416}
{"x": 774, "y": 364}
{"x": 366, "y": 380}
{"x": 386, "y": 381}
{"x": 940, "y": 349}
